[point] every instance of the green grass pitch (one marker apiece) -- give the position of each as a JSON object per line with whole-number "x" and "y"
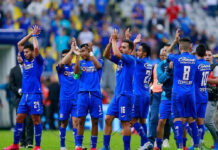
{"x": 50, "y": 140}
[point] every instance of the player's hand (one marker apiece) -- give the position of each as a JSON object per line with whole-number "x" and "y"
{"x": 177, "y": 38}
{"x": 36, "y": 30}
{"x": 90, "y": 47}
{"x": 127, "y": 34}
{"x": 171, "y": 65}
{"x": 115, "y": 35}
{"x": 137, "y": 39}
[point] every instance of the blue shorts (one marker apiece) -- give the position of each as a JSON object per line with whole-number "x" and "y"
{"x": 31, "y": 104}
{"x": 183, "y": 105}
{"x": 67, "y": 108}
{"x": 201, "y": 109}
{"x": 165, "y": 109}
{"x": 121, "y": 106}
{"x": 140, "y": 106}
{"x": 89, "y": 102}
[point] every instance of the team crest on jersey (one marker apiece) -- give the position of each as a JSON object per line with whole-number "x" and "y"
{"x": 68, "y": 73}
{"x": 185, "y": 60}
{"x": 27, "y": 67}
{"x": 148, "y": 66}
{"x": 203, "y": 67}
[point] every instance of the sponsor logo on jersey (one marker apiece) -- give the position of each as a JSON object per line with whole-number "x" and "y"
{"x": 89, "y": 69}
{"x": 185, "y": 60}
{"x": 148, "y": 66}
{"x": 68, "y": 73}
{"x": 203, "y": 67}
{"x": 28, "y": 66}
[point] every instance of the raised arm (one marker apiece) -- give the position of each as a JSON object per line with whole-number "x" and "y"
{"x": 69, "y": 55}
{"x": 77, "y": 65}
{"x": 22, "y": 42}
{"x": 127, "y": 34}
{"x": 116, "y": 52}
{"x": 35, "y": 32}
{"x": 175, "y": 41}
{"x": 107, "y": 51}
{"x": 94, "y": 60}
{"x": 135, "y": 42}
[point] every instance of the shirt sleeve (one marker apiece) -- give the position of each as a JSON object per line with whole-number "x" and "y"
{"x": 171, "y": 57}
{"x": 162, "y": 76}
{"x": 59, "y": 69}
{"x": 114, "y": 59}
{"x": 215, "y": 71}
{"x": 39, "y": 59}
{"x": 127, "y": 58}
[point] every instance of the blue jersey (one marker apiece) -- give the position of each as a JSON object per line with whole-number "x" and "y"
{"x": 68, "y": 85}
{"x": 201, "y": 76}
{"x": 90, "y": 76}
{"x": 142, "y": 76}
{"x": 165, "y": 77}
{"x": 184, "y": 68}
{"x": 32, "y": 71}
{"x": 124, "y": 74}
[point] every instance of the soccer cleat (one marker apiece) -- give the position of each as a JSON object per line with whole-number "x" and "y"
{"x": 29, "y": 146}
{"x": 105, "y": 148}
{"x": 37, "y": 148}
{"x": 166, "y": 143}
{"x": 156, "y": 148}
{"x": 84, "y": 148}
{"x": 148, "y": 146}
{"x": 93, "y": 149}
{"x": 185, "y": 148}
{"x": 78, "y": 148}
{"x": 63, "y": 148}
{"x": 12, "y": 147}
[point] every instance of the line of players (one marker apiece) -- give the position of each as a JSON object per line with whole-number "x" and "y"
{"x": 80, "y": 90}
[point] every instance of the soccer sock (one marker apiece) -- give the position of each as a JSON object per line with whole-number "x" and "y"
{"x": 201, "y": 131}
{"x": 79, "y": 140}
{"x": 188, "y": 129}
{"x": 94, "y": 141}
{"x": 107, "y": 141}
{"x": 38, "y": 134}
{"x": 159, "y": 142}
{"x": 18, "y": 132}
{"x": 145, "y": 131}
{"x": 74, "y": 134}
{"x": 126, "y": 141}
{"x": 179, "y": 133}
{"x": 195, "y": 136}
{"x": 184, "y": 142}
{"x": 140, "y": 131}
{"x": 62, "y": 136}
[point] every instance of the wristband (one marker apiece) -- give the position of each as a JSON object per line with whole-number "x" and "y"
{"x": 91, "y": 54}
{"x": 34, "y": 35}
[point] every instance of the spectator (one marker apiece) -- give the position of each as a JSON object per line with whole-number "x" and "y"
{"x": 62, "y": 42}
{"x": 152, "y": 23}
{"x": 104, "y": 35}
{"x": 211, "y": 7}
{"x": 8, "y": 22}
{"x": 185, "y": 24}
{"x": 85, "y": 36}
{"x": 1, "y": 15}
{"x": 101, "y": 6}
{"x": 48, "y": 64}
{"x": 138, "y": 14}
{"x": 160, "y": 10}
{"x": 67, "y": 7}
{"x": 36, "y": 8}
{"x": 24, "y": 21}
{"x": 84, "y": 8}
{"x": 194, "y": 33}
{"x": 172, "y": 12}
{"x": 51, "y": 12}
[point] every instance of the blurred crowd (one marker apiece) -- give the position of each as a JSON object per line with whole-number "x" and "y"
{"x": 93, "y": 21}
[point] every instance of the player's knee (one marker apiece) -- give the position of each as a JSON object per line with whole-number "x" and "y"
{"x": 108, "y": 120}
{"x": 19, "y": 119}
{"x": 64, "y": 124}
{"x": 162, "y": 122}
{"x": 94, "y": 122}
{"x": 81, "y": 121}
{"x": 75, "y": 123}
{"x": 36, "y": 120}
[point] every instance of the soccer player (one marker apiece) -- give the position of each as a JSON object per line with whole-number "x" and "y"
{"x": 165, "y": 77}
{"x": 201, "y": 76}
{"x": 68, "y": 93}
{"x": 121, "y": 104}
{"x": 31, "y": 101}
{"x": 141, "y": 95}
{"x": 89, "y": 97}
{"x": 183, "y": 96}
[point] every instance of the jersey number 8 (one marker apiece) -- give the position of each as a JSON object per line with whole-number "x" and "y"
{"x": 186, "y": 72}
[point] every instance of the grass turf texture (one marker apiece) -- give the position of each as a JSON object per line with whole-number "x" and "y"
{"x": 50, "y": 140}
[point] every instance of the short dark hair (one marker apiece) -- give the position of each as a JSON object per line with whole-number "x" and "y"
{"x": 29, "y": 46}
{"x": 185, "y": 40}
{"x": 146, "y": 48}
{"x": 84, "y": 45}
{"x": 131, "y": 45}
{"x": 201, "y": 50}
{"x": 166, "y": 44}
{"x": 65, "y": 51}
